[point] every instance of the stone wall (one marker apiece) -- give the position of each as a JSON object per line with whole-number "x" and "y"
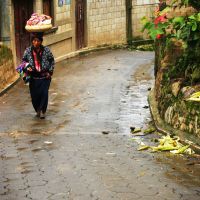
{"x": 177, "y": 78}
{"x": 7, "y": 73}
{"x": 7, "y": 69}
{"x": 173, "y": 90}
{"x": 106, "y": 22}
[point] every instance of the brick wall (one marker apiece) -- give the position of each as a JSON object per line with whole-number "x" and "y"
{"x": 63, "y": 18}
{"x": 106, "y": 22}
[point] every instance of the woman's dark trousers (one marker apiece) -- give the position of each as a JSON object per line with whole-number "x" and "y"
{"x": 39, "y": 93}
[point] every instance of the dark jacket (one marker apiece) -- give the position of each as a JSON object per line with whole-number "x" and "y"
{"x": 47, "y": 59}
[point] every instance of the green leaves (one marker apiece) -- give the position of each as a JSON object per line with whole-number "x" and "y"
{"x": 193, "y": 22}
{"x": 178, "y": 20}
{"x": 154, "y": 32}
{"x": 194, "y": 26}
{"x": 187, "y": 28}
{"x": 198, "y": 17}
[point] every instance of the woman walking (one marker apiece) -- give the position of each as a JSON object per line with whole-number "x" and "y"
{"x": 42, "y": 63}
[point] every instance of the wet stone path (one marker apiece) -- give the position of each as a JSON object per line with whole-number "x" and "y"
{"x": 67, "y": 156}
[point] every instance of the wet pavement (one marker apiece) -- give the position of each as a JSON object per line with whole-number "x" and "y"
{"x": 82, "y": 150}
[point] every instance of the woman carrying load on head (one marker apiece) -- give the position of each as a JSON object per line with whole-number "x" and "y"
{"x": 42, "y": 62}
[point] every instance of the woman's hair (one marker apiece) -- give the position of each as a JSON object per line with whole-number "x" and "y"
{"x": 38, "y": 35}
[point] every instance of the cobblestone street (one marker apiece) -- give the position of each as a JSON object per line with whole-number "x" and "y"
{"x": 82, "y": 150}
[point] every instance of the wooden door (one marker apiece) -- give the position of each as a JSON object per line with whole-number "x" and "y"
{"x": 80, "y": 9}
{"x": 22, "y": 12}
{"x": 47, "y": 7}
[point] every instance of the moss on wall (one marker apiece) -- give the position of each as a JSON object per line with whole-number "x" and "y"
{"x": 5, "y": 54}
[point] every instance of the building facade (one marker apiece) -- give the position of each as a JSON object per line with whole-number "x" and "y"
{"x": 76, "y": 23}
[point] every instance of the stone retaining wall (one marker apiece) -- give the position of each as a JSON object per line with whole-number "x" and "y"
{"x": 172, "y": 93}
{"x": 184, "y": 116}
{"x": 176, "y": 82}
{"x": 7, "y": 72}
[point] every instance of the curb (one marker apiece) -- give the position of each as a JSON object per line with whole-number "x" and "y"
{"x": 161, "y": 126}
{"x": 2, "y": 92}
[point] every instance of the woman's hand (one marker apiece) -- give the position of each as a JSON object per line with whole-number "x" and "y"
{"x": 48, "y": 76}
{"x": 29, "y": 69}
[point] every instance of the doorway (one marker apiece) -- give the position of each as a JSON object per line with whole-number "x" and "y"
{"x": 80, "y": 23}
{"x": 22, "y": 12}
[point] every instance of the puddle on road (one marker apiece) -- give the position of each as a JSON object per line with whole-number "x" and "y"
{"x": 134, "y": 99}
